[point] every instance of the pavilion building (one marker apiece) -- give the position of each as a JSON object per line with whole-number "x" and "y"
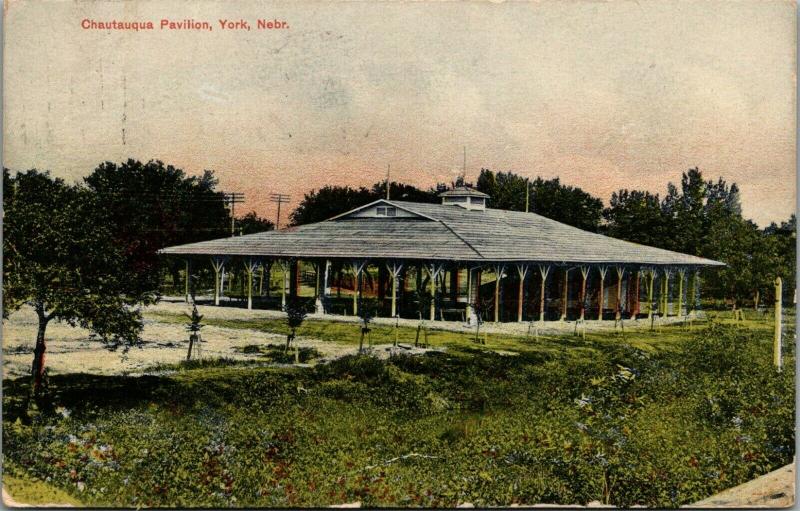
{"x": 464, "y": 259}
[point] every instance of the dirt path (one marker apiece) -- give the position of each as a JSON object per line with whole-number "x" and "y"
{"x": 9, "y": 501}
{"x": 773, "y": 490}
{"x": 72, "y": 350}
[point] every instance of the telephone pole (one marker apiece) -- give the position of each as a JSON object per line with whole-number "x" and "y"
{"x": 278, "y": 198}
{"x": 388, "y": 167}
{"x": 233, "y": 198}
{"x": 527, "y": 195}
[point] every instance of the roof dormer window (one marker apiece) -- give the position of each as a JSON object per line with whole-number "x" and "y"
{"x": 386, "y": 211}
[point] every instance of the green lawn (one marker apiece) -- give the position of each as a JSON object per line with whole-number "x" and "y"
{"x": 27, "y": 490}
{"x": 660, "y": 419}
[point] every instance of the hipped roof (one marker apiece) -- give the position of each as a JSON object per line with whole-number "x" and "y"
{"x": 442, "y": 233}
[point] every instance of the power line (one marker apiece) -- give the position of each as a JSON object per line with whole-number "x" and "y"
{"x": 233, "y": 198}
{"x": 279, "y": 198}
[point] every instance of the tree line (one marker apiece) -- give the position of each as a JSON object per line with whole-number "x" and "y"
{"x": 86, "y": 253}
{"x": 697, "y": 216}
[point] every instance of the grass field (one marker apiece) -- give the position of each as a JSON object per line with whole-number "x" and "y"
{"x": 654, "y": 418}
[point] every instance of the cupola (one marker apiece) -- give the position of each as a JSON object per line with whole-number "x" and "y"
{"x": 466, "y": 197}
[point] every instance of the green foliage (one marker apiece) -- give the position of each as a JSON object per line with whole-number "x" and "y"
{"x": 251, "y": 223}
{"x": 150, "y": 206}
{"x": 548, "y": 197}
{"x": 195, "y": 318}
{"x": 277, "y": 354}
{"x": 704, "y": 218}
{"x": 61, "y": 258}
{"x": 660, "y": 428}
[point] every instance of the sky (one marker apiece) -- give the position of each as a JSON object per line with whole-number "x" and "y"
{"x": 604, "y": 95}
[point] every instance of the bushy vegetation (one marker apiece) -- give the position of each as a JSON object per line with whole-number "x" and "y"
{"x": 608, "y": 422}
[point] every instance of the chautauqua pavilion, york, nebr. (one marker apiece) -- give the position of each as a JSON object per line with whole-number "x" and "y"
{"x": 451, "y": 260}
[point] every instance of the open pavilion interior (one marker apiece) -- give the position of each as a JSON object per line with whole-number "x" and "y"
{"x": 455, "y": 261}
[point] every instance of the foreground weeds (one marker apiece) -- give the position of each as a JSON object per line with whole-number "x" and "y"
{"x": 608, "y": 422}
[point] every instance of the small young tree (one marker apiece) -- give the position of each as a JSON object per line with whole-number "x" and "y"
{"x": 296, "y": 313}
{"x": 423, "y": 301}
{"x": 480, "y": 306}
{"x": 193, "y": 327}
{"x": 367, "y": 309}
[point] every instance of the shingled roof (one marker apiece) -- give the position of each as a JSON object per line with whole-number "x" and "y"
{"x": 444, "y": 233}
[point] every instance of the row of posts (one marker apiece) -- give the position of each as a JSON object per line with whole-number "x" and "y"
{"x": 638, "y": 277}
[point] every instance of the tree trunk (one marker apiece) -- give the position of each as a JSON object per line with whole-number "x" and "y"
{"x": 37, "y": 369}
{"x": 191, "y": 343}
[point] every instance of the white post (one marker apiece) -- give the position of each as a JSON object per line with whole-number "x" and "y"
{"x": 522, "y": 270}
{"x": 777, "y": 359}
{"x": 394, "y": 270}
{"x": 285, "y": 280}
{"x": 218, "y": 263}
{"x": 434, "y": 270}
{"x": 601, "y": 294}
{"x": 249, "y": 268}
{"x": 320, "y": 288}
{"x": 543, "y": 271}
{"x": 357, "y": 268}
{"x": 472, "y": 287}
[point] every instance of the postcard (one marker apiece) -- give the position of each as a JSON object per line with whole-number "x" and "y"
{"x": 265, "y": 254}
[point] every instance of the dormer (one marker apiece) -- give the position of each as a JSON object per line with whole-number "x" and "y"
{"x": 465, "y": 197}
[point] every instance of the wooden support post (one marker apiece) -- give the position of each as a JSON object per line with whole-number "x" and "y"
{"x": 667, "y": 273}
{"x": 218, "y": 264}
{"x": 681, "y": 276}
{"x": 318, "y": 288}
{"x": 620, "y": 274}
{"x": 777, "y": 359}
{"x": 261, "y": 280}
{"x": 650, "y": 290}
{"x": 455, "y": 275}
{"x": 522, "y": 270}
{"x": 565, "y": 295}
{"x": 394, "y": 268}
{"x": 469, "y": 295}
{"x": 584, "y": 275}
{"x": 250, "y": 266}
{"x": 186, "y": 281}
{"x": 285, "y": 279}
{"x": 326, "y": 287}
{"x": 636, "y": 284}
{"x": 357, "y": 267}
{"x": 498, "y": 272}
{"x": 543, "y": 271}
{"x": 434, "y": 271}
{"x": 601, "y": 295}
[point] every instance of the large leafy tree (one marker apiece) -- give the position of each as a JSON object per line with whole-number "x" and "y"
{"x": 251, "y": 223}
{"x": 151, "y": 206}
{"x": 61, "y": 258}
{"x": 548, "y": 197}
{"x": 782, "y": 251}
{"x": 636, "y": 215}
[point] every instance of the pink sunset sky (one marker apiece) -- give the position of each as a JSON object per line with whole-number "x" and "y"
{"x": 605, "y": 95}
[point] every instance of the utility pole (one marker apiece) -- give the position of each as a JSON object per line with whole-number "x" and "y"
{"x": 388, "y": 167}
{"x": 527, "y": 195}
{"x": 278, "y": 198}
{"x": 233, "y": 198}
